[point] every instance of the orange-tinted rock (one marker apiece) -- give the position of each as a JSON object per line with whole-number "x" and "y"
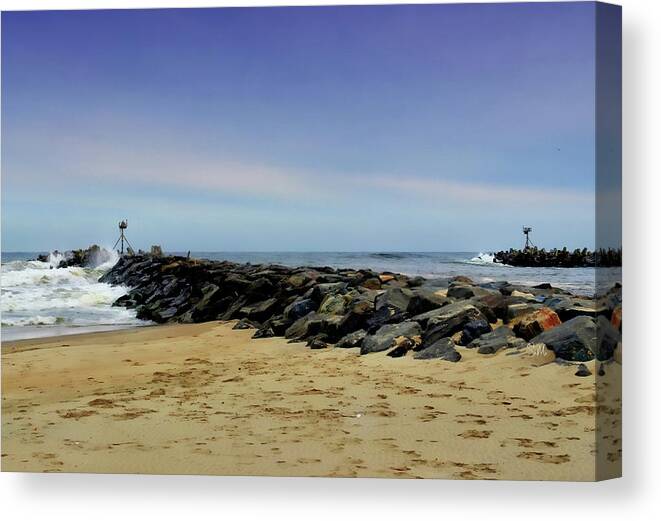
{"x": 616, "y": 318}
{"x": 535, "y": 323}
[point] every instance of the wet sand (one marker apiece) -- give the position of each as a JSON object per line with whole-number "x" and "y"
{"x": 206, "y": 399}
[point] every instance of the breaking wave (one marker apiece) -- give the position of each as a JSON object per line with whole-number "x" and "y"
{"x": 482, "y": 258}
{"x": 36, "y": 293}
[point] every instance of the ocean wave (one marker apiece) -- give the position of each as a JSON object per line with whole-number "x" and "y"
{"x": 482, "y": 259}
{"x": 39, "y": 293}
{"x": 390, "y": 255}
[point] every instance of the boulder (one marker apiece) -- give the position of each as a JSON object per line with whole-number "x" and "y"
{"x": 371, "y": 283}
{"x": 279, "y": 324}
{"x": 473, "y": 330}
{"x": 402, "y": 346}
{"x": 460, "y": 291}
{"x": 607, "y": 338}
{"x": 500, "y": 338}
{"x": 313, "y": 324}
{"x": 582, "y": 370}
{"x": 423, "y": 300}
{"x": 445, "y": 321}
{"x": 333, "y": 305}
{"x": 317, "y": 343}
{"x": 300, "y": 280}
{"x": 385, "y": 315}
{"x": 583, "y": 307}
{"x": 532, "y": 324}
{"x": 264, "y": 332}
{"x": 244, "y": 323}
{"x": 388, "y": 336}
{"x": 354, "y": 339}
{"x": 495, "y": 303}
{"x": 442, "y": 348}
{"x": 319, "y": 291}
{"x": 518, "y": 310}
{"x": 395, "y": 298}
{"x": 260, "y": 311}
{"x": 260, "y": 289}
{"x": 559, "y": 304}
{"x": 299, "y": 308}
{"x": 574, "y": 340}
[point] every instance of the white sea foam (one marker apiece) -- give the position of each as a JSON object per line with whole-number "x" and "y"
{"x": 482, "y": 258}
{"x": 39, "y": 293}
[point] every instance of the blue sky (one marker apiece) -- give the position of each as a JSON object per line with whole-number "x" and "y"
{"x": 417, "y": 128}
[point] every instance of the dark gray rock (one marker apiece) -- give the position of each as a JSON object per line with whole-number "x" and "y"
{"x": 424, "y": 300}
{"x": 473, "y": 330}
{"x": 313, "y": 324}
{"x": 244, "y": 323}
{"x": 299, "y": 308}
{"x": 574, "y": 340}
{"x": 317, "y": 343}
{"x": 386, "y": 336}
{"x": 583, "y": 370}
{"x": 279, "y": 324}
{"x": 607, "y": 338}
{"x": 460, "y": 291}
{"x": 446, "y": 321}
{"x": 319, "y": 291}
{"x": 260, "y": 289}
{"x": 395, "y": 298}
{"x": 264, "y": 332}
{"x": 442, "y": 348}
{"x": 385, "y": 315}
{"x": 354, "y": 339}
{"x": 261, "y": 310}
{"x": 500, "y": 338}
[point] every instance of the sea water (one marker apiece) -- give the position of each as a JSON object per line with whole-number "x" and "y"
{"x": 40, "y": 299}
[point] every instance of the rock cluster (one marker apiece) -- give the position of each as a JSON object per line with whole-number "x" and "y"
{"x": 371, "y": 311}
{"x": 536, "y": 257}
{"x": 88, "y": 257}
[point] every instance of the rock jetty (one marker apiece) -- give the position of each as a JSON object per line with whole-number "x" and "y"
{"x": 88, "y": 257}
{"x": 541, "y": 258}
{"x": 371, "y": 311}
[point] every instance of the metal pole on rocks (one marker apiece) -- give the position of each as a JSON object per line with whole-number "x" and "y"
{"x": 122, "y": 238}
{"x": 526, "y": 232}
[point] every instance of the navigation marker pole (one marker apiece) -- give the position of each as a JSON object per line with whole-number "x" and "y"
{"x": 122, "y": 238}
{"x": 526, "y": 232}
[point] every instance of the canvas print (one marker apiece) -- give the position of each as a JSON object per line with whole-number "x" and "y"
{"x": 347, "y": 241}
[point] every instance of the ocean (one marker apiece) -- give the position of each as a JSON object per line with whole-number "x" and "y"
{"x": 39, "y": 299}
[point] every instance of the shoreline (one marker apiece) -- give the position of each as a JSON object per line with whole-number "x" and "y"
{"x": 17, "y": 333}
{"x": 208, "y": 399}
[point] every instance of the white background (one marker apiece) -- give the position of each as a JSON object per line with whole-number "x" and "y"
{"x": 636, "y": 496}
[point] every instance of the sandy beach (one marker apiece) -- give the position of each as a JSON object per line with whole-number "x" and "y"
{"x": 207, "y": 399}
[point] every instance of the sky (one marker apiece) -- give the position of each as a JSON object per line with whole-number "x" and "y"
{"x": 379, "y": 128}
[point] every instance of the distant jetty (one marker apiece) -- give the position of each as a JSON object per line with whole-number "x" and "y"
{"x": 540, "y": 258}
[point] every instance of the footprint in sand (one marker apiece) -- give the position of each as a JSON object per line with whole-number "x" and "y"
{"x": 543, "y": 457}
{"x": 527, "y": 443}
{"x": 474, "y": 434}
{"x": 75, "y": 414}
{"x": 101, "y": 402}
